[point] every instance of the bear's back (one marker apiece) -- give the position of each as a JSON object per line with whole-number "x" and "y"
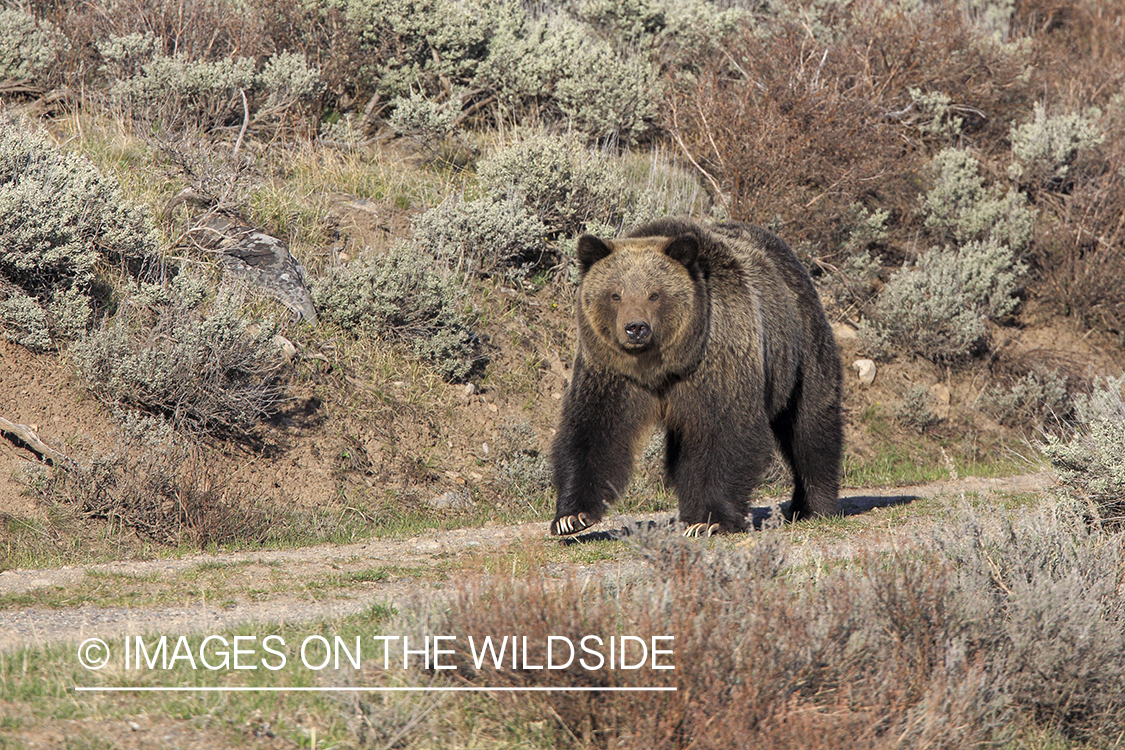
{"x": 736, "y": 255}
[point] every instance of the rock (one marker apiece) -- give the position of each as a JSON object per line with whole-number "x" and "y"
{"x": 286, "y": 346}
{"x": 843, "y": 331}
{"x": 866, "y": 370}
{"x": 451, "y": 500}
{"x": 248, "y": 252}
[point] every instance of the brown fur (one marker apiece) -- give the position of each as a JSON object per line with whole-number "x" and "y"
{"x": 718, "y": 334}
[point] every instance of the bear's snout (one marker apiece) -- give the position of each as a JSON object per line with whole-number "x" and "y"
{"x": 637, "y": 333}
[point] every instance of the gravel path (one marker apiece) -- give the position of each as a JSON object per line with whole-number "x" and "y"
{"x": 40, "y": 625}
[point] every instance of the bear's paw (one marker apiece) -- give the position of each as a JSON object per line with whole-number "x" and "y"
{"x": 703, "y": 529}
{"x": 571, "y": 524}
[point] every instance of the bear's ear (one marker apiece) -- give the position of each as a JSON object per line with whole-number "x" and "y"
{"x": 591, "y": 250}
{"x": 684, "y": 249}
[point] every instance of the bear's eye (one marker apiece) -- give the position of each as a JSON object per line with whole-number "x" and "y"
{"x": 615, "y": 297}
{"x": 654, "y": 296}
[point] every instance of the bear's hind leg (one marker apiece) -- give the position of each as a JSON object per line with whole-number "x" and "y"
{"x": 811, "y": 441}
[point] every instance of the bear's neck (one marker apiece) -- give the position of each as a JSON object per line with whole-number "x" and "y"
{"x": 649, "y": 370}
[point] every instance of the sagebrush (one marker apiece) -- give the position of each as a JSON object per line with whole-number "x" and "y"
{"x": 1089, "y": 462}
{"x": 62, "y": 222}
{"x": 955, "y": 641}
{"x": 405, "y": 296}
{"x": 940, "y": 307}
{"x": 172, "y": 351}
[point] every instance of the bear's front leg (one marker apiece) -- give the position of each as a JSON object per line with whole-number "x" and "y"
{"x": 714, "y": 470}
{"x": 603, "y": 416}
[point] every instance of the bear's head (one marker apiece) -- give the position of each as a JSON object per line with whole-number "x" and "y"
{"x": 640, "y": 301}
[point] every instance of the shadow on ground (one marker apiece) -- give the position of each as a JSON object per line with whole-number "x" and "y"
{"x": 759, "y": 516}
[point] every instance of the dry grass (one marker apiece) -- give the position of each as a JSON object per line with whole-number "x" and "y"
{"x": 956, "y": 642}
{"x": 163, "y": 488}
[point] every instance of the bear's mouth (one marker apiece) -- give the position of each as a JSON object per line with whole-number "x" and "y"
{"x": 635, "y": 348}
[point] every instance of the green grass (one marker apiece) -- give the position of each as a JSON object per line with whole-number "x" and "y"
{"x": 63, "y": 539}
{"x": 891, "y": 466}
{"x": 369, "y": 575}
{"x": 206, "y": 583}
{"x": 897, "y": 464}
{"x": 39, "y": 684}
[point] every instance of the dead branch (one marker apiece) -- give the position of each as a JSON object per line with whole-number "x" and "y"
{"x": 32, "y": 441}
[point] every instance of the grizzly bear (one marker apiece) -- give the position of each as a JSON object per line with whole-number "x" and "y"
{"x": 717, "y": 334}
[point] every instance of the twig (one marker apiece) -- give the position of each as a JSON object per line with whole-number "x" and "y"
{"x": 245, "y": 123}
{"x": 563, "y": 725}
{"x": 369, "y": 113}
{"x": 676, "y": 134}
{"x": 739, "y": 68}
{"x": 472, "y": 110}
{"x": 707, "y": 130}
{"x": 997, "y": 576}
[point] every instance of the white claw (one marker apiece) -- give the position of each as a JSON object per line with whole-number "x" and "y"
{"x": 572, "y": 524}
{"x": 703, "y": 529}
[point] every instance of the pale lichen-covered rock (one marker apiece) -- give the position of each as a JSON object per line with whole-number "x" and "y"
{"x": 251, "y": 254}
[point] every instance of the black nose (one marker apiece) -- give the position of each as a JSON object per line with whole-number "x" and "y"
{"x": 638, "y": 332}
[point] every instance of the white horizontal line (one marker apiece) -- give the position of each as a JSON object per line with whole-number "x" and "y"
{"x": 352, "y": 689}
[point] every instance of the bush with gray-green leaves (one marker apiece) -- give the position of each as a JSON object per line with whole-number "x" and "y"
{"x": 538, "y": 193}
{"x": 1090, "y": 462}
{"x": 148, "y": 85}
{"x": 939, "y": 308}
{"x": 61, "y": 220}
{"x": 961, "y": 206}
{"x": 404, "y": 296}
{"x": 29, "y": 47}
{"x": 595, "y": 64}
{"x": 1046, "y": 149}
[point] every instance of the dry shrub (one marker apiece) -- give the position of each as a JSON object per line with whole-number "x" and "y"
{"x": 1077, "y": 55}
{"x": 853, "y": 661}
{"x": 321, "y": 33}
{"x": 163, "y": 487}
{"x": 1081, "y": 249}
{"x": 800, "y": 128}
{"x": 1080, "y": 245}
{"x": 950, "y": 642}
{"x": 788, "y": 152}
{"x": 196, "y": 29}
{"x": 940, "y": 307}
{"x": 208, "y": 31}
{"x": 169, "y": 352}
{"x": 405, "y": 295}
